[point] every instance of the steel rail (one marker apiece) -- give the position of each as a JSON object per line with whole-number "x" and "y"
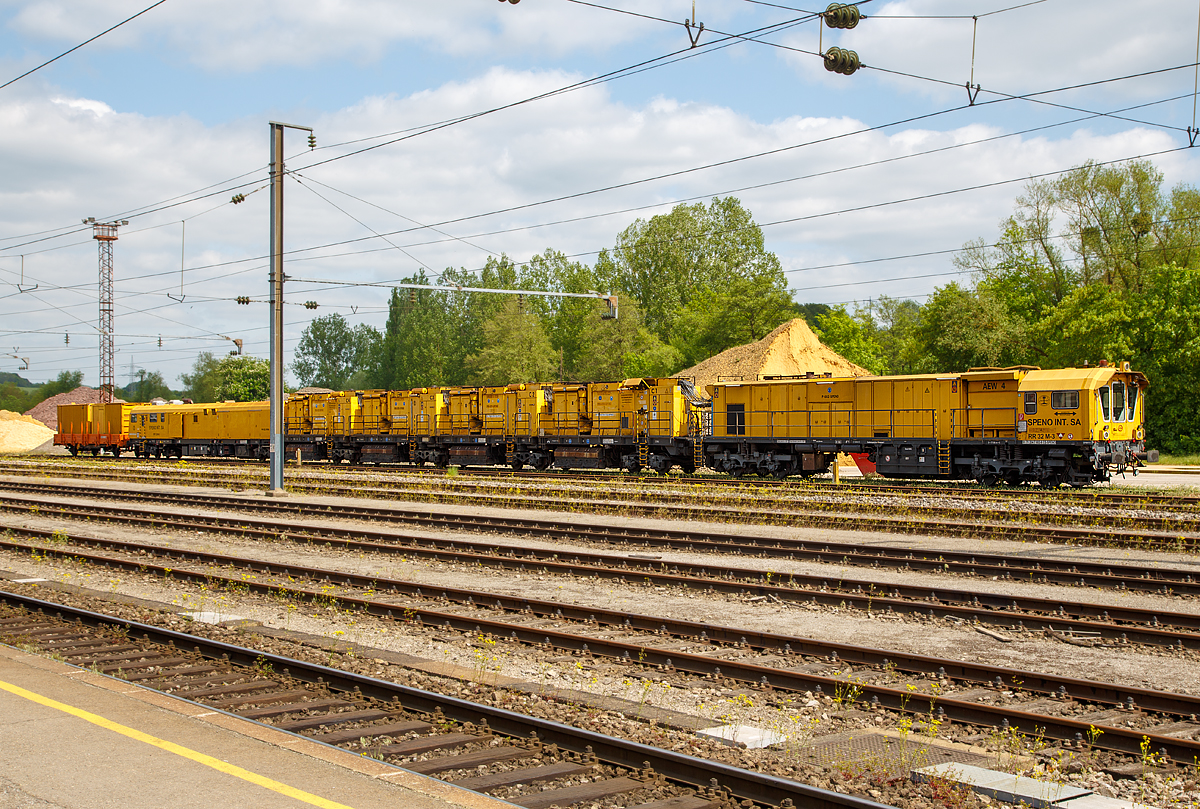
{"x": 1120, "y": 739}
{"x": 1170, "y": 535}
{"x": 1156, "y": 627}
{"x": 1150, "y": 699}
{"x": 679, "y": 767}
{"x": 1126, "y": 577}
{"x": 846, "y": 486}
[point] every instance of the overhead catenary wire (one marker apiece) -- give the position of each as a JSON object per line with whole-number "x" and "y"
{"x": 81, "y": 44}
{"x": 736, "y": 190}
{"x": 593, "y": 252}
{"x": 945, "y": 82}
{"x": 886, "y": 203}
{"x": 683, "y": 53}
{"x": 224, "y": 188}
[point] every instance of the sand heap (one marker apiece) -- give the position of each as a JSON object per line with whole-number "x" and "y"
{"x": 47, "y": 411}
{"x": 20, "y": 434}
{"x": 790, "y": 350}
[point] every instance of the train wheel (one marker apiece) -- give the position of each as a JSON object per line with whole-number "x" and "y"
{"x": 990, "y": 479}
{"x": 74, "y": 451}
{"x": 516, "y": 465}
{"x": 95, "y": 452}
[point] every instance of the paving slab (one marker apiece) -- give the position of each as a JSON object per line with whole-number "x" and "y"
{"x": 1003, "y": 786}
{"x": 74, "y": 739}
{"x": 743, "y": 736}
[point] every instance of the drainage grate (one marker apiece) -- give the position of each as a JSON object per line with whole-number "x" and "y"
{"x": 887, "y": 754}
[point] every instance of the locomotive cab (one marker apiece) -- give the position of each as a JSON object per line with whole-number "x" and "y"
{"x": 1101, "y": 410}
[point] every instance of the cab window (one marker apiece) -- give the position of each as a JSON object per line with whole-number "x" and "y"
{"x": 132, "y": 418}
{"x": 735, "y": 419}
{"x": 1118, "y": 401}
{"x": 1104, "y": 401}
{"x": 153, "y": 418}
{"x": 1064, "y": 399}
{"x": 1133, "y": 397}
{"x": 1030, "y": 403}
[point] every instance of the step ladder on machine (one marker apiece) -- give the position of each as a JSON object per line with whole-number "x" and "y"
{"x": 643, "y": 443}
{"x": 943, "y": 455}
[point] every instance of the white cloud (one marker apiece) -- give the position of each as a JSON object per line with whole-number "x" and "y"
{"x": 74, "y": 157}
{"x": 88, "y": 105}
{"x": 1040, "y": 47}
{"x": 232, "y": 35}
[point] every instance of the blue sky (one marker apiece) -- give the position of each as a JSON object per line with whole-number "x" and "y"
{"x": 178, "y": 100}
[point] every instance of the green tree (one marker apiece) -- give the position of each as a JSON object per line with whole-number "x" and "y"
{"x": 14, "y": 399}
{"x": 242, "y": 379}
{"x": 612, "y": 350}
{"x": 17, "y": 400}
{"x": 851, "y": 337}
{"x": 893, "y": 324}
{"x": 1157, "y": 330}
{"x": 330, "y": 352}
{"x": 65, "y": 382}
{"x": 147, "y": 386}
{"x": 811, "y": 311}
{"x": 741, "y": 311}
{"x": 963, "y": 328}
{"x": 1118, "y": 280}
{"x": 201, "y": 384}
{"x": 567, "y": 320}
{"x": 417, "y": 348}
{"x": 714, "y": 256}
{"x": 515, "y": 348}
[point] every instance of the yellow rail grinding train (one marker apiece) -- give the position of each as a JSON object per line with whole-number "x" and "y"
{"x": 1022, "y": 424}
{"x": 1016, "y": 425}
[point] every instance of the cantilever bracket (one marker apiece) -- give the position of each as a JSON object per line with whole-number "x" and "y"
{"x": 1192, "y": 132}
{"x": 972, "y": 92}
{"x": 21, "y": 284}
{"x": 179, "y": 299}
{"x": 695, "y": 39}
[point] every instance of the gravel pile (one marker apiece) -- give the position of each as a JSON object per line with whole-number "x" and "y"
{"x": 20, "y": 434}
{"x": 792, "y": 349}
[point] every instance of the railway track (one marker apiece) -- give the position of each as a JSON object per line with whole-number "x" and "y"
{"x": 1144, "y": 533}
{"x": 1137, "y": 578}
{"x": 1097, "y": 508}
{"x": 1065, "y": 709}
{"x": 847, "y": 487}
{"x": 422, "y": 731}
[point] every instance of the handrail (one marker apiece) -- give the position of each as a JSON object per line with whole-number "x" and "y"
{"x": 851, "y": 423}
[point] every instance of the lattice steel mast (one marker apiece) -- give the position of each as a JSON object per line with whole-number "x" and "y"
{"x": 105, "y": 233}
